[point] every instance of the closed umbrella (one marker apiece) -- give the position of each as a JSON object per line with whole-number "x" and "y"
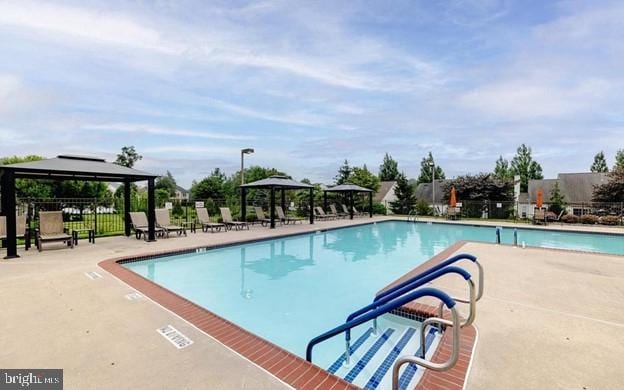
{"x": 540, "y": 198}
{"x": 453, "y": 199}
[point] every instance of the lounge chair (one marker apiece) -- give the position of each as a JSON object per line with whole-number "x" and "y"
{"x": 285, "y": 218}
{"x": 51, "y": 229}
{"x": 229, "y": 222}
{"x": 452, "y": 213}
{"x": 261, "y": 217}
{"x": 539, "y": 216}
{"x": 320, "y": 214}
{"x": 334, "y": 211}
{"x": 140, "y": 225}
{"x": 20, "y": 230}
{"x": 163, "y": 221}
{"x": 358, "y": 213}
{"x": 204, "y": 220}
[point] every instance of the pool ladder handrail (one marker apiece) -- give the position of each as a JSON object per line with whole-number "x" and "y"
{"x": 388, "y": 307}
{"x": 413, "y": 214}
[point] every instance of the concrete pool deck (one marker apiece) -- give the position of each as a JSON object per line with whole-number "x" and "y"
{"x": 565, "y": 327}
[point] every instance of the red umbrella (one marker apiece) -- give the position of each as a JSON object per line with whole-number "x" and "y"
{"x": 453, "y": 199}
{"x": 540, "y": 198}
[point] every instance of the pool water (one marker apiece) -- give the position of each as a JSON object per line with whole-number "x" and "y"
{"x": 289, "y": 290}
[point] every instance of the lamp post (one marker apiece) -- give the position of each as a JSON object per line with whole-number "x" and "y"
{"x": 432, "y": 165}
{"x": 243, "y": 153}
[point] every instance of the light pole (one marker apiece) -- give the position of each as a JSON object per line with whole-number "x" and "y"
{"x": 432, "y": 165}
{"x": 243, "y": 153}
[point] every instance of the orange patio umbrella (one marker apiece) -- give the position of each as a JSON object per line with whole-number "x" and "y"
{"x": 453, "y": 199}
{"x": 540, "y": 198}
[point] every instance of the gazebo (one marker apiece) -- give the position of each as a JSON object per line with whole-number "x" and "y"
{"x": 71, "y": 168}
{"x": 281, "y": 183}
{"x": 348, "y": 188}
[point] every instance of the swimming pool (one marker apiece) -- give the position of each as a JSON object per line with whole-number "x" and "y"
{"x": 288, "y": 290}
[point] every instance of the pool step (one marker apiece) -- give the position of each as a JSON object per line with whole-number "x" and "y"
{"x": 373, "y": 356}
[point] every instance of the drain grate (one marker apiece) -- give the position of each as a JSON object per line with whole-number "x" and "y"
{"x": 174, "y": 336}
{"x": 93, "y": 275}
{"x": 133, "y": 296}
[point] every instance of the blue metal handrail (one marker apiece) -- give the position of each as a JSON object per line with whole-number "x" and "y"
{"x": 383, "y": 309}
{"x": 454, "y": 259}
{"x": 405, "y": 289}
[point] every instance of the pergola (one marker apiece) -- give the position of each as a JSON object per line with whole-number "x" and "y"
{"x": 349, "y": 189}
{"x": 281, "y": 183}
{"x": 71, "y": 168}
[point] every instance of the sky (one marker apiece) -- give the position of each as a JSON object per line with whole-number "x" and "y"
{"x": 309, "y": 84}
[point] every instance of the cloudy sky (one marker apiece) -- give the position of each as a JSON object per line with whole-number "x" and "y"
{"x": 308, "y": 84}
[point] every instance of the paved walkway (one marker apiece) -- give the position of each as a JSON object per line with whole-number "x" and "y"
{"x": 549, "y": 319}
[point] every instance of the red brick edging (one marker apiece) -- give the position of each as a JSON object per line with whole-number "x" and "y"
{"x": 286, "y": 366}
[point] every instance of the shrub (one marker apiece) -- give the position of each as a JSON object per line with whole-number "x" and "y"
{"x": 609, "y": 220}
{"x": 551, "y": 216}
{"x": 570, "y": 218}
{"x": 379, "y": 208}
{"x": 423, "y": 208}
{"x": 589, "y": 219}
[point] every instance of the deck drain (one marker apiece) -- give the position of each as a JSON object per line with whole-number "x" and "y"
{"x": 174, "y": 336}
{"x": 93, "y": 275}
{"x": 133, "y": 296}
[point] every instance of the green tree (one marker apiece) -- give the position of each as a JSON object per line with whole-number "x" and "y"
{"x": 502, "y": 171}
{"x": 167, "y": 183}
{"x": 344, "y": 174}
{"x": 29, "y": 188}
{"x": 619, "y": 159}
{"x": 128, "y": 157}
{"x": 557, "y": 200}
{"x": 212, "y": 186}
{"x": 364, "y": 178}
{"x": 405, "y": 197}
{"x": 600, "y": 163}
{"x": 524, "y": 166}
{"x": 483, "y": 186}
{"x": 389, "y": 169}
{"x": 613, "y": 190}
{"x": 425, "y": 170}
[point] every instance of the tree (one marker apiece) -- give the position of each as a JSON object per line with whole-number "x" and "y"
{"x": 502, "y": 171}
{"x": 364, "y": 178}
{"x": 405, "y": 197}
{"x": 388, "y": 170}
{"x": 425, "y": 170}
{"x": 483, "y": 186}
{"x": 167, "y": 183}
{"x": 128, "y": 157}
{"x": 344, "y": 173}
{"x": 619, "y": 159}
{"x": 210, "y": 187}
{"x": 557, "y": 200}
{"x": 523, "y": 165}
{"x": 613, "y": 190}
{"x": 600, "y": 163}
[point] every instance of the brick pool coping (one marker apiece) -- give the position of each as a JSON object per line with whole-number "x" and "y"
{"x": 286, "y": 366}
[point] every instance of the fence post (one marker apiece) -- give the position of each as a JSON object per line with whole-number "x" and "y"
{"x": 95, "y": 207}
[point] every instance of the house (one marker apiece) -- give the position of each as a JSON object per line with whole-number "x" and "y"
{"x": 576, "y": 188}
{"x": 385, "y": 194}
{"x": 424, "y": 192}
{"x": 181, "y": 193}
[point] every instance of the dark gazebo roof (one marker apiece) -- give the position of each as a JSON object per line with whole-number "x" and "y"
{"x": 347, "y": 187}
{"x": 76, "y": 168}
{"x": 277, "y": 182}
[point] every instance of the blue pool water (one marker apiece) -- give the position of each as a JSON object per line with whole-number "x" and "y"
{"x": 288, "y": 290}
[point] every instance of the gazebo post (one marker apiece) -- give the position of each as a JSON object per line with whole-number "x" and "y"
{"x": 151, "y": 210}
{"x": 283, "y": 199}
{"x": 311, "y": 206}
{"x": 350, "y": 204}
{"x": 272, "y": 211}
{"x": 8, "y": 209}
{"x": 127, "y": 224}
{"x": 243, "y": 204}
{"x": 370, "y": 204}
{"x": 325, "y": 200}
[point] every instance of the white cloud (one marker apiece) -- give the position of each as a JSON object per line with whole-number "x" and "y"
{"x": 159, "y": 130}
